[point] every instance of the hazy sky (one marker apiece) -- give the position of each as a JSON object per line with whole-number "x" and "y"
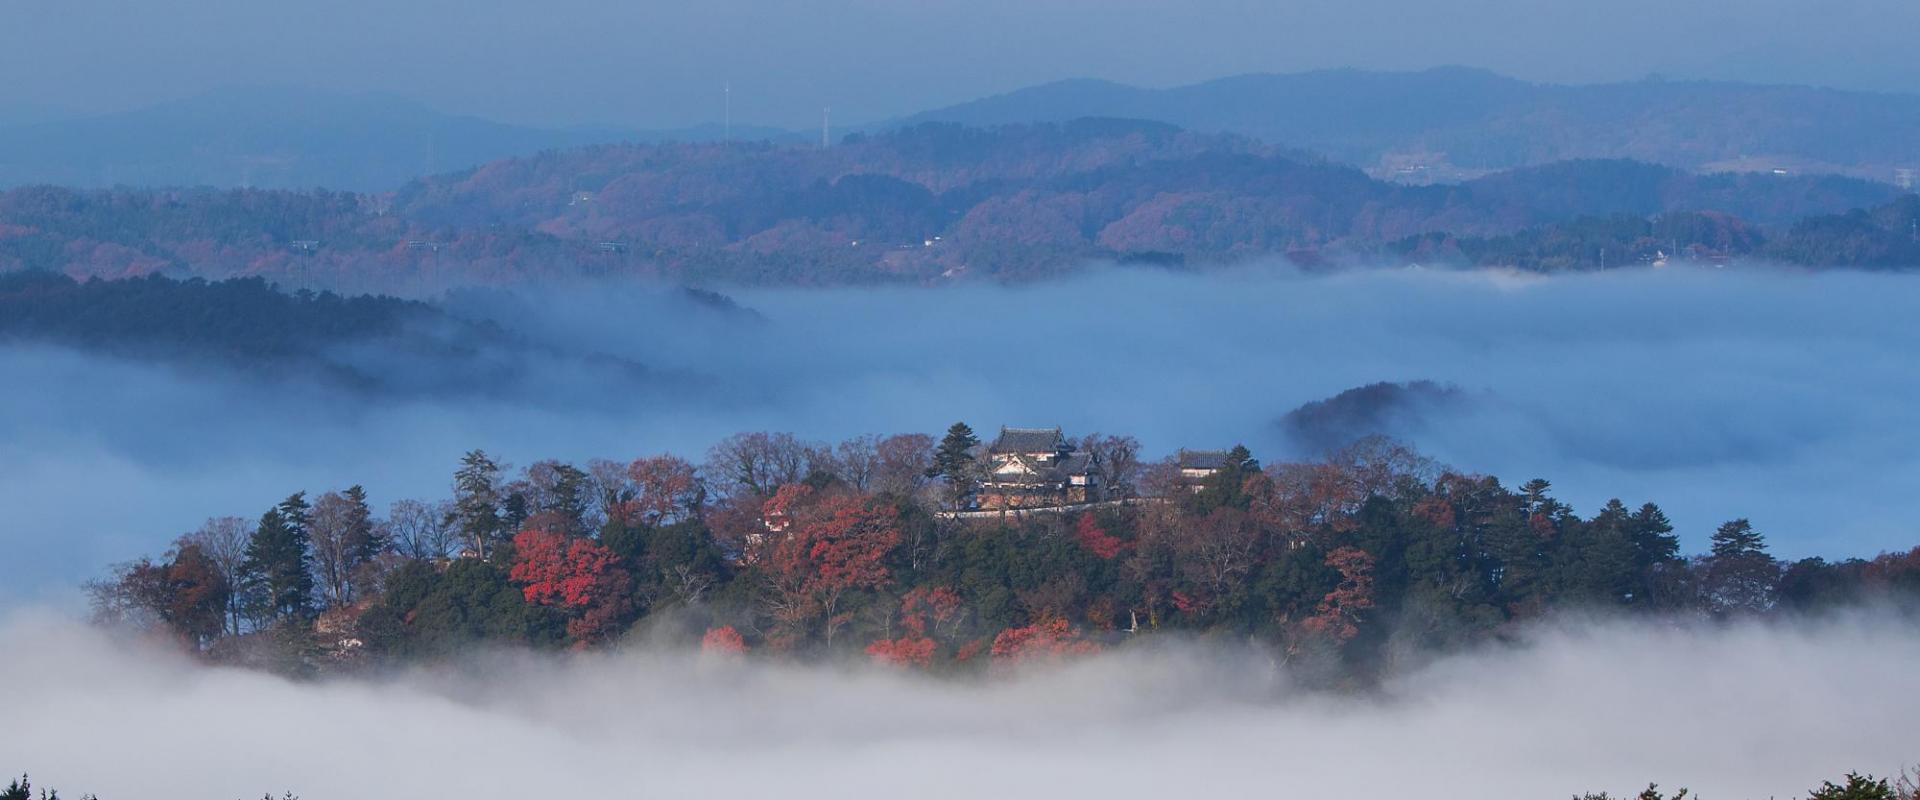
{"x": 663, "y": 64}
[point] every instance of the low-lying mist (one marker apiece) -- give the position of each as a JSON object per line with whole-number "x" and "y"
{"x": 1785, "y": 397}
{"x": 1733, "y": 712}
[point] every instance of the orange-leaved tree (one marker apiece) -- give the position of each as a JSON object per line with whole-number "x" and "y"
{"x": 824, "y": 549}
{"x": 1050, "y": 639}
{"x": 578, "y": 575}
{"x": 1338, "y": 614}
{"x": 926, "y": 614}
{"x": 1087, "y": 531}
{"x": 724, "y": 640}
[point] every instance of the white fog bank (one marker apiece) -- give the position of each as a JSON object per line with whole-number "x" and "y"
{"x": 1746, "y": 712}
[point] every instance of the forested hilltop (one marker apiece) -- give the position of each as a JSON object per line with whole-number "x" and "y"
{"x": 245, "y": 319}
{"x": 891, "y": 549}
{"x": 939, "y": 202}
{"x": 363, "y": 342}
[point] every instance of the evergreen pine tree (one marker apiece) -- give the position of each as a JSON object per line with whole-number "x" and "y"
{"x": 365, "y": 539}
{"x": 1655, "y": 552}
{"x": 1535, "y": 492}
{"x": 1738, "y": 539}
{"x": 1653, "y": 539}
{"x": 1518, "y": 553}
{"x": 1228, "y": 487}
{"x": 514, "y": 511}
{"x": 277, "y": 575}
{"x": 954, "y": 463}
{"x": 476, "y": 502}
{"x": 1741, "y": 576}
{"x": 1595, "y": 559}
{"x": 1240, "y": 458}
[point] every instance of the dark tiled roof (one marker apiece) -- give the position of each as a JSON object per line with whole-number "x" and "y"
{"x": 1027, "y": 440}
{"x": 1058, "y": 473}
{"x": 1076, "y": 464}
{"x": 1203, "y": 459}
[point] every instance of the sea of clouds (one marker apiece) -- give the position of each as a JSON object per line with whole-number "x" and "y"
{"x": 1743, "y": 711}
{"x": 1786, "y": 397}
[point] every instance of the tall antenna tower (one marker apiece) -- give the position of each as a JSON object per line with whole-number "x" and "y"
{"x": 826, "y": 127}
{"x": 726, "y": 113}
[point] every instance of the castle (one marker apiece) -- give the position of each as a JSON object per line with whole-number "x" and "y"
{"x": 1036, "y": 468}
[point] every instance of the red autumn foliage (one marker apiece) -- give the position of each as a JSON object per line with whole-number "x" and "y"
{"x": 576, "y": 574}
{"x": 723, "y": 640}
{"x": 1048, "y": 640}
{"x": 1090, "y": 535}
{"x": 1542, "y": 526}
{"x": 849, "y": 547}
{"x": 938, "y": 608}
{"x": 558, "y": 570}
{"x": 926, "y": 613}
{"x": 777, "y": 513}
{"x": 1894, "y": 567}
{"x": 1338, "y": 614}
{"x": 824, "y": 549}
{"x": 666, "y": 487}
{"x": 906, "y": 651}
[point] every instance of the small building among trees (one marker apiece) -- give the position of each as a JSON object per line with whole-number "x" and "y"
{"x": 1036, "y": 468}
{"x": 1196, "y": 466}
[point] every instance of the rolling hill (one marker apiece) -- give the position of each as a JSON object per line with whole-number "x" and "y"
{"x": 926, "y": 204}
{"x": 1450, "y": 123}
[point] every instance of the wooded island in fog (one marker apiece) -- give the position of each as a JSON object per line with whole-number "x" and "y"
{"x": 1270, "y": 374}
{"x": 951, "y": 554}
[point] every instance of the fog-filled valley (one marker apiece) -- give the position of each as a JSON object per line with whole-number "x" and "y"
{"x": 1741, "y": 711}
{"x": 1471, "y": 399}
{"x": 1781, "y": 396}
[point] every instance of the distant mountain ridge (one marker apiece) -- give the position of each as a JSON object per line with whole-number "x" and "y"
{"x": 1439, "y": 125}
{"x": 282, "y": 138}
{"x": 1453, "y": 122}
{"x": 936, "y": 203}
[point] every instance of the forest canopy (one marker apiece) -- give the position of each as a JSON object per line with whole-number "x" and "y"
{"x": 890, "y": 549}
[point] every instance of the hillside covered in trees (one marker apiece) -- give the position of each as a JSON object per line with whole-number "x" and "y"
{"x": 934, "y": 203}
{"x": 362, "y": 342}
{"x": 1349, "y": 568}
